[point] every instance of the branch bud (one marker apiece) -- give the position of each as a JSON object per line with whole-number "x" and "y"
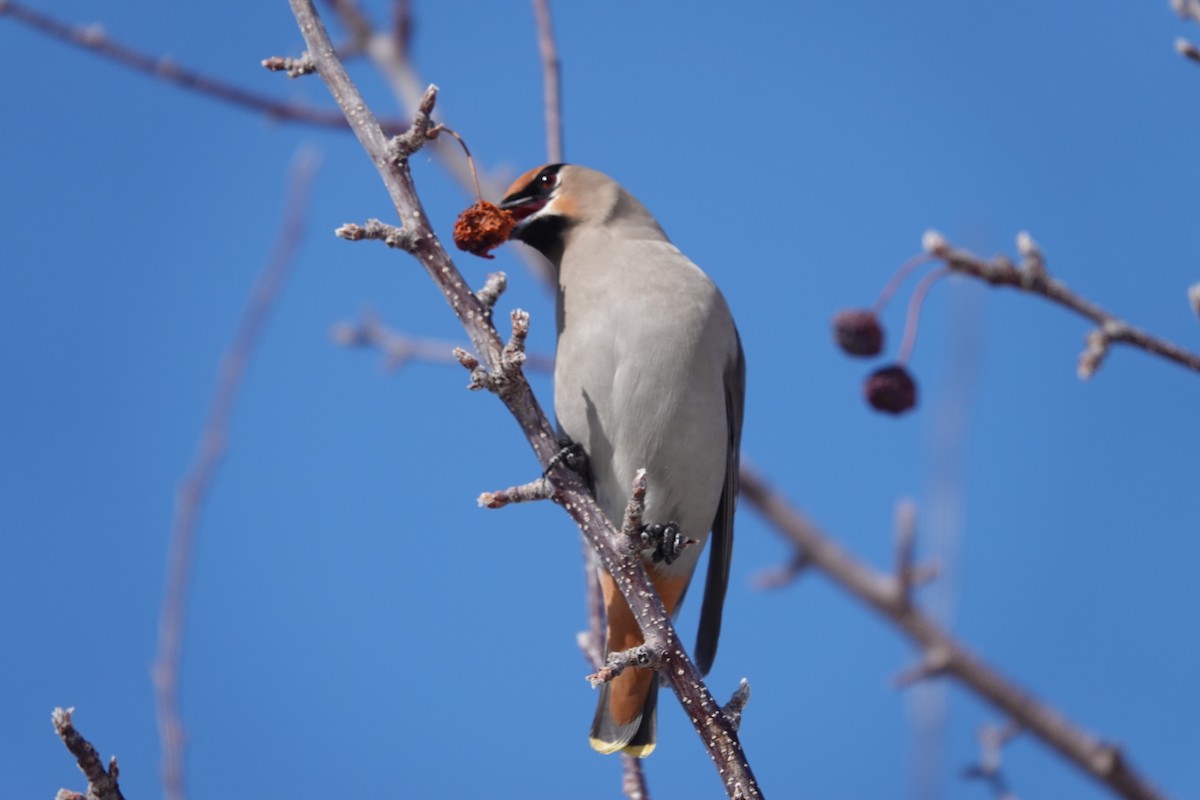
{"x": 934, "y": 244}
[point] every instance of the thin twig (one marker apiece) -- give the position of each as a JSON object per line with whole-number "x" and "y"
{"x": 737, "y": 703}
{"x": 1187, "y": 9}
{"x": 102, "y": 783}
{"x": 397, "y": 348}
{"x": 401, "y": 349}
{"x": 193, "y": 489}
{"x": 989, "y": 769}
{"x": 906, "y": 548}
{"x": 616, "y": 556}
{"x": 942, "y": 654}
{"x": 1002, "y": 272}
{"x": 776, "y": 577}
{"x": 633, "y": 784}
{"x": 355, "y": 21}
{"x": 645, "y": 656}
{"x": 402, "y": 25}
{"x": 93, "y": 39}
{"x": 591, "y": 641}
{"x": 551, "y": 74}
{"x": 294, "y": 67}
{"x": 539, "y": 489}
{"x": 1187, "y": 49}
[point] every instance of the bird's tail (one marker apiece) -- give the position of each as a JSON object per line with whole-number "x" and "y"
{"x": 627, "y": 714}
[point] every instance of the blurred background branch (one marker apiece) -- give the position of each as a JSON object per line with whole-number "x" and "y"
{"x": 214, "y": 440}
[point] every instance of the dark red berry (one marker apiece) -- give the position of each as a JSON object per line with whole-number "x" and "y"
{"x": 858, "y": 332}
{"x": 891, "y": 389}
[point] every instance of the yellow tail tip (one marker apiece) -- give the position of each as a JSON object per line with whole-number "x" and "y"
{"x": 608, "y": 748}
{"x": 640, "y": 750}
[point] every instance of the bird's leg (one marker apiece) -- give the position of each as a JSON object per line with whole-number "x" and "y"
{"x": 571, "y": 455}
{"x": 667, "y": 540}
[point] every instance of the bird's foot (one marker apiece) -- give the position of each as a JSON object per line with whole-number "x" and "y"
{"x": 667, "y": 540}
{"x": 570, "y": 455}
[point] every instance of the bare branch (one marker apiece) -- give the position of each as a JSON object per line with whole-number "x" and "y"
{"x": 934, "y": 663}
{"x": 93, "y": 39}
{"x": 402, "y": 25}
{"x": 540, "y": 489}
{"x": 551, "y": 73}
{"x": 778, "y": 577}
{"x": 992, "y": 740}
{"x": 102, "y": 783}
{"x": 942, "y": 654}
{"x": 737, "y": 703}
{"x": 1031, "y": 277}
{"x": 909, "y": 574}
{"x": 631, "y": 527}
{"x": 194, "y": 488}
{"x": 572, "y": 493}
{"x": 398, "y": 238}
{"x": 646, "y": 656}
{"x": 513, "y": 356}
{"x": 634, "y": 783}
{"x": 591, "y": 641}
{"x": 906, "y": 546}
{"x": 1187, "y": 9}
{"x": 400, "y": 348}
{"x": 294, "y": 67}
{"x": 397, "y": 348}
{"x": 493, "y": 287}
{"x": 1187, "y": 49}
{"x": 354, "y": 19}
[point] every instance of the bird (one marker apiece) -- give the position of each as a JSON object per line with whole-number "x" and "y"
{"x": 649, "y": 373}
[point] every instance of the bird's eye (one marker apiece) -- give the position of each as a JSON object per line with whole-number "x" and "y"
{"x": 547, "y": 181}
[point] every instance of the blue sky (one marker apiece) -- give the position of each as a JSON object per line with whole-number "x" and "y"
{"x": 357, "y": 624}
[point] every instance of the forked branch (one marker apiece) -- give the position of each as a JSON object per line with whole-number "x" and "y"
{"x": 102, "y": 783}
{"x": 940, "y": 653}
{"x": 1031, "y": 276}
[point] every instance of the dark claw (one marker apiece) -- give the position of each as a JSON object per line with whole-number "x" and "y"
{"x": 571, "y": 454}
{"x": 667, "y": 540}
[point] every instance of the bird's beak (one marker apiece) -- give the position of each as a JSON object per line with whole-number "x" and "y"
{"x": 522, "y": 206}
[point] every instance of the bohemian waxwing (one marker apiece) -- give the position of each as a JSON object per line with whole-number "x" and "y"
{"x": 649, "y": 373}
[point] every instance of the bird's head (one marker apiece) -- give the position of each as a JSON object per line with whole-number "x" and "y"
{"x": 548, "y": 202}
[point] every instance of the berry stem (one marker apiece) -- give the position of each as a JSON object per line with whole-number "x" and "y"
{"x": 903, "y": 272}
{"x": 912, "y": 321}
{"x": 470, "y": 161}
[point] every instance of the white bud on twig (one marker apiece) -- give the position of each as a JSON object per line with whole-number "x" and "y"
{"x": 934, "y": 243}
{"x": 1026, "y": 246}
